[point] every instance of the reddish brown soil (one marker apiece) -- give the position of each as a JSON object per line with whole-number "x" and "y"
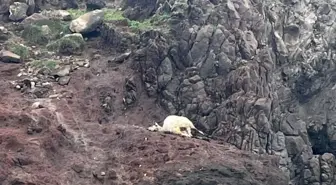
{"x": 70, "y": 146}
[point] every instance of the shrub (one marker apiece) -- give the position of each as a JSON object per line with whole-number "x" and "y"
{"x": 50, "y": 64}
{"x": 69, "y": 44}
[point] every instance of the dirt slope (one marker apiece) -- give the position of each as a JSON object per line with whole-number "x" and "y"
{"x": 71, "y": 140}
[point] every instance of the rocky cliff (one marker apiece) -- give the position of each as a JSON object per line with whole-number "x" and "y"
{"x": 257, "y": 73}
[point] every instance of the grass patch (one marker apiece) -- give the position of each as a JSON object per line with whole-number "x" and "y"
{"x": 20, "y": 50}
{"x": 34, "y": 35}
{"x": 113, "y": 15}
{"x": 109, "y": 14}
{"x": 148, "y": 24}
{"x": 117, "y": 15}
{"x": 50, "y": 64}
{"x": 75, "y": 13}
{"x": 140, "y": 26}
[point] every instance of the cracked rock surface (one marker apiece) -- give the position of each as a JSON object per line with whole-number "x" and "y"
{"x": 258, "y": 73}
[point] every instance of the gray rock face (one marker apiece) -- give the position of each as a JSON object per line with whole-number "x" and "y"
{"x": 4, "y": 6}
{"x": 259, "y": 74}
{"x": 139, "y": 10}
{"x": 18, "y": 11}
{"x": 87, "y": 22}
{"x": 117, "y": 38}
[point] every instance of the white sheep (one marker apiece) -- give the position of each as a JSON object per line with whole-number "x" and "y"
{"x": 179, "y": 125}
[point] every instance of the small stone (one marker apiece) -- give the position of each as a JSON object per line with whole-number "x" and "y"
{"x": 195, "y": 79}
{"x": 30, "y": 131}
{"x": 80, "y": 64}
{"x": 121, "y": 58}
{"x": 64, "y": 80}
{"x": 102, "y": 173}
{"x": 96, "y": 56}
{"x": 65, "y": 71}
{"x": 18, "y": 87}
{"x": 112, "y": 175}
{"x": 87, "y": 65}
{"x": 78, "y": 167}
{"x": 9, "y": 57}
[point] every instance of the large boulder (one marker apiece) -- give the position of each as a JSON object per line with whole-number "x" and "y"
{"x": 87, "y": 22}
{"x": 18, "y": 11}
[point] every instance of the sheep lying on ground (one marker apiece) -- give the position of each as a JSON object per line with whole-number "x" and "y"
{"x": 176, "y": 125}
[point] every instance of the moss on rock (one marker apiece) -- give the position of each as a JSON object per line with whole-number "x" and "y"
{"x": 44, "y": 31}
{"x": 69, "y": 44}
{"x": 34, "y": 35}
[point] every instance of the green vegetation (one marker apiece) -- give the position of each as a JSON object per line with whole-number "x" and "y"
{"x": 44, "y": 31}
{"x": 140, "y": 26}
{"x": 110, "y": 14}
{"x": 56, "y": 26}
{"x": 75, "y": 13}
{"x": 50, "y": 64}
{"x": 116, "y": 15}
{"x": 34, "y": 35}
{"x": 113, "y": 15}
{"x": 20, "y": 50}
{"x": 69, "y": 44}
{"x": 50, "y": 33}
